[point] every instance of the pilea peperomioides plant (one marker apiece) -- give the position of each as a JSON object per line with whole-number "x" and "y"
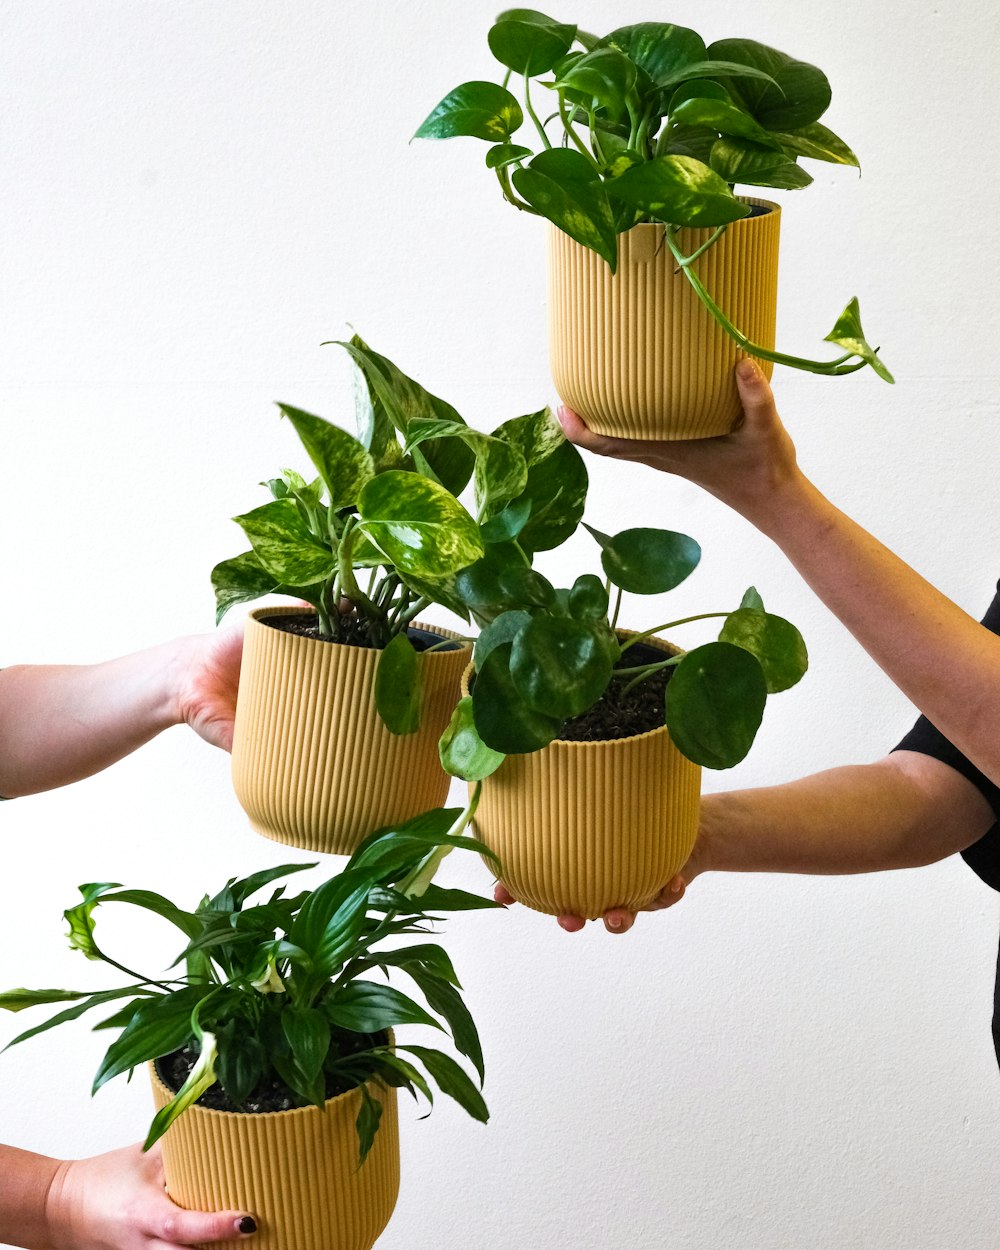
{"x": 546, "y": 656}
{"x": 650, "y": 124}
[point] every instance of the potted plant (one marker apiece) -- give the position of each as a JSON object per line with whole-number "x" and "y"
{"x": 271, "y": 1051}
{"x": 589, "y": 740}
{"x": 660, "y": 276}
{"x": 340, "y": 704}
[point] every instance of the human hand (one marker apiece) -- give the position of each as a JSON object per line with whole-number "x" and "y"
{"x": 207, "y": 677}
{"x": 621, "y": 919}
{"x": 117, "y": 1201}
{"x": 748, "y": 469}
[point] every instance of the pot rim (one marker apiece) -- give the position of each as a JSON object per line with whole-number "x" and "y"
{"x": 257, "y": 615}
{"x": 745, "y": 222}
{"x": 602, "y": 743}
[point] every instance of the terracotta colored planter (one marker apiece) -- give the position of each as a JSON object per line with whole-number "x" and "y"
{"x": 297, "y": 1171}
{"x": 636, "y": 353}
{"x": 313, "y": 764}
{"x": 579, "y": 827}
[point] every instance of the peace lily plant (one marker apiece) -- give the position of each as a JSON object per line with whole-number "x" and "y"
{"x": 291, "y": 989}
{"x": 650, "y": 124}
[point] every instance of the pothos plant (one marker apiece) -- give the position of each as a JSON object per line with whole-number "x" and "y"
{"x": 291, "y": 988}
{"x": 650, "y": 123}
{"x": 379, "y": 535}
{"x": 547, "y": 655}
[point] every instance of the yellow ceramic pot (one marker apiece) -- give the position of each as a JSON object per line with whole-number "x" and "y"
{"x": 579, "y": 827}
{"x": 297, "y": 1171}
{"x": 313, "y": 764}
{"x": 636, "y": 353}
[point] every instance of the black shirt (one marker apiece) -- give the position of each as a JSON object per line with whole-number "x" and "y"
{"x": 983, "y": 857}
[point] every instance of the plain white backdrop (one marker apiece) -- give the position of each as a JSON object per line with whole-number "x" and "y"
{"x": 193, "y": 197}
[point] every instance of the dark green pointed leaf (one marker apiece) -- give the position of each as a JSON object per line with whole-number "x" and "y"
{"x": 159, "y": 1027}
{"x": 819, "y": 143}
{"x": 397, "y": 686}
{"x": 74, "y": 1013}
{"x": 375, "y": 431}
{"x": 503, "y": 154}
{"x": 284, "y": 545}
{"x": 775, "y": 642}
{"x": 723, "y": 117}
{"x": 604, "y": 77}
{"x": 481, "y": 110}
{"x": 503, "y": 719}
{"x": 561, "y": 667}
{"x": 798, "y": 95}
{"x": 240, "y": 580}
{"x": 451, "y": 1080}
{"x": 437, "y": 899}
{"x": 849, "y": 335}
{"x": 447, "y": 1002}
{"x": 528, "y": 42}
{"x": 564, "y": 187}
{"x": 699, "y": 69}
{"x": 752, "y": 164}
{"x": 341, "y": 461}
{"x": 715, "y": 702}
{"x": 463, "y": 753}
{"x": 241, "y": 1062}
{"x": 693, "y": 141}
{"x": 647, "y": 561}
{"x": 366, "y": 1125}
{"x": 679, "y": 190}
{"x": 307, "y": 1032}
{"x": 419, "y": 525}
{"x": 751, "y": 599}
{"x": 367, "y": 1007}
{"x": 659, "y": 49}
{"x": 18, "y": 1000}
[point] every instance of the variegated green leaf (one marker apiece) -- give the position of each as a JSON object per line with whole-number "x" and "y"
{"x": 284, "y": 545}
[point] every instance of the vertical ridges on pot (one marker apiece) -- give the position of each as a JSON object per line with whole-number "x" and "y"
{"x": 635, "y": 352}
{"x": 297, "y": 1171}
{"x": 313, "y": 765}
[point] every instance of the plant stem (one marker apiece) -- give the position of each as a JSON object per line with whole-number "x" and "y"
{"x": 568, "y": 127}
{"x": 404, "y": 619}
{"x": 503, "y": 177}
{"x": 530, "y": 108}
{"x": 618, "y": 604}
{"x": 686, "y": 620}
{"x": 832, "y": 368}
{"x": 646, "y": 671}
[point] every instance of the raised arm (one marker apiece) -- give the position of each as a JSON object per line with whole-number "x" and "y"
{"x": 946, "y": 663}
{"x": 59, "y": 723}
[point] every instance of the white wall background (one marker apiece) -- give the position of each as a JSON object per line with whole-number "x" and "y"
{"x": 193, "y": 196}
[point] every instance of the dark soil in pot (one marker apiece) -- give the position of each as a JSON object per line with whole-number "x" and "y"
{"x": 618, "y": 715}
{"x": 356, "y": 631}
{"x": 271, "y": 1094}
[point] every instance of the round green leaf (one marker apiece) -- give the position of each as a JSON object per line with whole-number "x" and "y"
{"x": 480, "y": 587}
{"x": 503, "y": 720}
{"x": 561, "y": 666}
{"x": 509, "y": 523}
{"x": 648, "y": 561}
{"x": 481, "y": 110}
{"x": 679, "y": 190}
{"x": 397, "y": 686}
{"x": 588, "y": 598}
{"x": 504, "y": 628}
{"x": 528, "y": 42}
{"x": 715, "y": 703}
{"x": 463, "y": 753}
{"x": 421, "y": 527}
{"x": 775, "y": 642}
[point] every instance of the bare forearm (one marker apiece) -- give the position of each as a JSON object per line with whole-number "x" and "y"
{"x": 901, "y": 812}
{"x": 946, "y": 663}
{"x": 24, "y": 1188}
{"x": 59, "y": 723}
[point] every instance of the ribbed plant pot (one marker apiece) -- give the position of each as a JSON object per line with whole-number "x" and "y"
{"x": 636, "y": 353}
{"x": 297, "y": 1171}
{"x": 313, "y": 764}
{"x": 579, "y": 827}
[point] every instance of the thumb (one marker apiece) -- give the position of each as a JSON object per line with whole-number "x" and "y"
{"x": 187, "y": 1228}
{"x": 755, "y": 393}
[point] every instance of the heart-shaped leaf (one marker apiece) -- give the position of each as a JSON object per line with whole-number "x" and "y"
{"x": 659, "y": 49}
{"x": 481, "y": 110}
{"x": 588, "y": 598}
{"x": 715, "y": 702}
{"x": 240, "y": 580}
{"x": 284, "y": 545}
{"x": 463, "y": 753}
{"x": 397, "y": 686}
{"x": 679, "y": 190}
{"x": 602, "y": 79}
{"x": 849, "y": 335}
{"x": 563, "y": 186}
{"x": 819, "y": 143}
{"x": 752, "y": 164}
{"x": 723, "y": 117}
{"x": 341, "y": 461}
{"x": 798, "y": 95}
{"x": 528, "y": 42}
{"x": 506, "y": 154}
{"x": 421, "y": 527}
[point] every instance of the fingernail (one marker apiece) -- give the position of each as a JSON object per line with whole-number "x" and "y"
{"x": 615, "y": 923}
{"x": 747, "y": 370}
{"x": 246, "y": 1225}
{"x": 677, "y": 887}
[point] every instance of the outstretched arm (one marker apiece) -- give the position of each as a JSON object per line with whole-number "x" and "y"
{"x": 59, "y": 723}
{"x": 946, "y": 663}
{"x": 114, "y": 1201}
{"x": 904, "y": 811}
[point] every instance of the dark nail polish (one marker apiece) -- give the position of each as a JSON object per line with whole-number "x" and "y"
{"x": 247, "y": 1224}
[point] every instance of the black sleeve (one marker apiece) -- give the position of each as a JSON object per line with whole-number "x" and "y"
{"x": 983, "y": 857}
